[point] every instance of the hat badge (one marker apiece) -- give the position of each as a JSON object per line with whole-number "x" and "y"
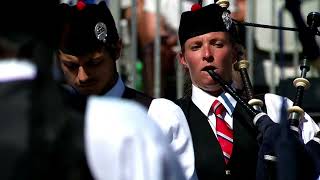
{"x": 226, "y": 19}
{"x": 100, "y": 31}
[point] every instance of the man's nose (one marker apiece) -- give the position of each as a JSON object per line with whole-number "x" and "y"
{"x": 82, "y": 74}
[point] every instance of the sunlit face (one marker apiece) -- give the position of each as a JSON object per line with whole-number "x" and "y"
{"x": 93, "y": 73}
{"x": 212, "y": 49}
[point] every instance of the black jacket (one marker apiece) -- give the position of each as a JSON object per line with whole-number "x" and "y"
{"x": 209, "y": 161}
{"x": 40, "y": 135}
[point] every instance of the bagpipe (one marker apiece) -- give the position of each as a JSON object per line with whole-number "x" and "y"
{"x": 282, "y": 152}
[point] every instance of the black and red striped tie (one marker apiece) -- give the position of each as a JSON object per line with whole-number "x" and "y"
{"x": 224, "y": 132}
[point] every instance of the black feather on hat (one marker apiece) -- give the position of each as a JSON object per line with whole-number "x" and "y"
{"x": 202, "y": 20}
{"x": 86, "y": 28}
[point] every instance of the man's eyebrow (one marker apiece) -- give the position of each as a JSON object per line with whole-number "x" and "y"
{"x": 69, "y": 62}
{"x": 68, "y": 59}
{"x": 97, "y": 57}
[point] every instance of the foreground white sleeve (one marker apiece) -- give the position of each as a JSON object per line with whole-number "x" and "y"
{"x": 121, "y": 143}
{"x": 174, "y": 125}
{"x": 274, "y": 104}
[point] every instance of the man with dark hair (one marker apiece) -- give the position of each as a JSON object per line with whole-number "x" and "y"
{"x": 89, "y": 47}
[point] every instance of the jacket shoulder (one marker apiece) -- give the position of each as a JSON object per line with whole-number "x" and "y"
{"x": 137, "y": 96}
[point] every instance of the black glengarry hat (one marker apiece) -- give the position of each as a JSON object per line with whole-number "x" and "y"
{"x": 202, "y": 20}
{"x": 86, "y": 28}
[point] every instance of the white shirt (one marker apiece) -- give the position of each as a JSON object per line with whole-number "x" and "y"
{"x": 123, "y": 144}
{"x": 172, "y": 121}
{"x": 204, "y": 102}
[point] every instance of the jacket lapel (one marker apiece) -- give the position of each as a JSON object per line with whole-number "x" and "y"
{"x": 208, "y": 154}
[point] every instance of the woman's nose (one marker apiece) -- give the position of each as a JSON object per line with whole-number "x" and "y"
{"x": 207, "y": 53}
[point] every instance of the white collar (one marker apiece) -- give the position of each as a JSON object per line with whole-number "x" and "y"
{"x": 117, "y": 90}
{"x": 203, "y": 100}
{"x": 14, "y": 69}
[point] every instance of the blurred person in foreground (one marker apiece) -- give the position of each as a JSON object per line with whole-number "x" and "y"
{"x": 31, "y": 106}
{"x": 133, "y": 148}
{"x": 211, "y": 133}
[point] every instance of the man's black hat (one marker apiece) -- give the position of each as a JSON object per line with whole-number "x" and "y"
{"x": 202, "y": 20}
{"x": 86, "y": 28}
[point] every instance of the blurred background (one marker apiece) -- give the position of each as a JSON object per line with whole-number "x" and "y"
{"x": 149, "y": 32}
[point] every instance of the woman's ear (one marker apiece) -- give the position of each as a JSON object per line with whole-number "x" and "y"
{"x": 182, "y": 60}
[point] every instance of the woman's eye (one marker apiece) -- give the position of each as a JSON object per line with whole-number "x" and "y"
{"x": 195, "y": 47}
{"x": 219, "y": 44}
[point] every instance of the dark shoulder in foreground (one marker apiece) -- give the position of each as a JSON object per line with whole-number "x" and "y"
{"x": 137, "y": 96}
